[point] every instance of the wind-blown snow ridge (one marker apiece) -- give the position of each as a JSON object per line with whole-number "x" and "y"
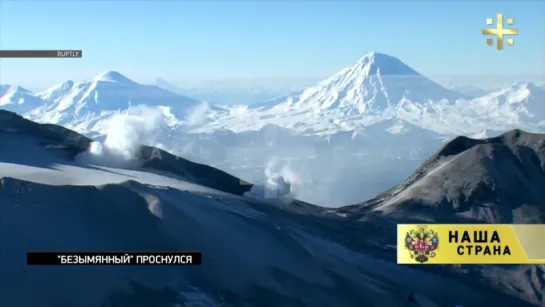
{"x": 54, "y": 92}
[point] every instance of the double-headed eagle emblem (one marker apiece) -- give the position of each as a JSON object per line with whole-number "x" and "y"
{"x": 422, "y": 243}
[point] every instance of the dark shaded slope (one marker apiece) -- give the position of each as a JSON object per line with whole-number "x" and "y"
{"x": 253, "y": 255}
{"x": 201, "y": 174}
{"x": 69, "y": 144}
{"x": 497, "y": 180}
{"x": 461, "y": 143}
{"x": 51, "y": 136}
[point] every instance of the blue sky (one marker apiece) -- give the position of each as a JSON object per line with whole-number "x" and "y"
{"x": 185, "y": 40}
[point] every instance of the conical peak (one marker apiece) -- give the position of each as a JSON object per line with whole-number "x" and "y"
{"x": 161, "y": 80}
{"x": 528, "y": 85}
{"x": 112, "y": 76}
{"x": 376, "y": 62}
{"x": 4, "y": 88}
{"x": 65, "y": 85}
{"x": 374, "y": 54}
{"x": 16, "y": 89}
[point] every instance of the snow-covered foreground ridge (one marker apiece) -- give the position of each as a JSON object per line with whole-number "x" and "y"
{"x": 375, "y": 89}
{"x": 254, "y": 254}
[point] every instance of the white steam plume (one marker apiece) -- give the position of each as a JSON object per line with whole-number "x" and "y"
{"x": 279, "y": 185}
{"x": 125, "y": 134}
{"x": 197, "y": 115}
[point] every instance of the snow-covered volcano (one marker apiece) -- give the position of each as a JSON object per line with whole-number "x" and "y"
{"x": 376, "y": 88}
{"x": 85, "y": 103}
{"x": 374, "y": 84}
{"x": 108, "y": 91}
{"x": 364, "y": 93}
{"x": 380, "y": 87}
{"x": 18, "y": 99}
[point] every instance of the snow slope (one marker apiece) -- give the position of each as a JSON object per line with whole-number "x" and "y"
{"x": 18, "y": 99}
{"x": 255, "y": 254}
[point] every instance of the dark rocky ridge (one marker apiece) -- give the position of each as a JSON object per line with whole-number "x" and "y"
{"x": 70, "y": 144}
{"x": 496, "y": 180}
{"x": 201, "y": 174}
{"x": 52, "y": 136}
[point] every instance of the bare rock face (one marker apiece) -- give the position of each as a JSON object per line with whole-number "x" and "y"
{"x": 53, "y": 137}
{"x": 496, "y": 180}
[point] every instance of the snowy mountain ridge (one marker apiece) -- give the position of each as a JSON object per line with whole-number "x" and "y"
{"x": 379, "y": 87}
{"x": 18, "y": 99}
{"x": 86, "y": 106}
{"x": 375, "y": 89}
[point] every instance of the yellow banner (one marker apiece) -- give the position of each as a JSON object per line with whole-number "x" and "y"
{"x": 470, "y": 244}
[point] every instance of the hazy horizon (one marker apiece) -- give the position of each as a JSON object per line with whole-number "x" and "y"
{"x": 482, "y": 81}
{"x": 275, "y": 40}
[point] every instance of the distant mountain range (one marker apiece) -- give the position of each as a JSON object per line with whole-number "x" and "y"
{"x": 377, "y": 89}
{"x": 88, "y": 102}
{"x": 380, "y": 87}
